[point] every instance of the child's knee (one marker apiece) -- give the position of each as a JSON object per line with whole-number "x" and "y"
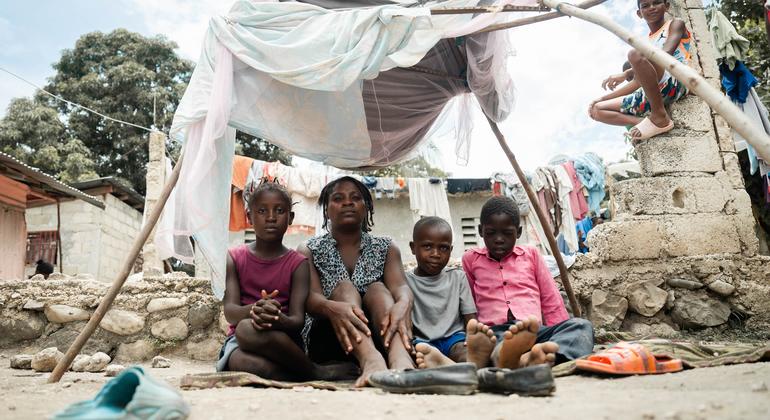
{"x": 244, "y": 330}
{"x": 635, "y": 57}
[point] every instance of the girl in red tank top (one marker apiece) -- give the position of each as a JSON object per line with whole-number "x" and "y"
{"x": 265, "y": 292}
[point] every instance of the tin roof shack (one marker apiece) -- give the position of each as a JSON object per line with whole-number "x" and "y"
{"x": 23, "y": 187}
{"x": 94, "y": 240}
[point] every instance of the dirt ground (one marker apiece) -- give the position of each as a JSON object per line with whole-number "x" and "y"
{"x": 730, "y": 392}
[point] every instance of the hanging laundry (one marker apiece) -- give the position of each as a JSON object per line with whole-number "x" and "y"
{"x": 462, "y": 185}
{"x": 387, "y": 186}
{"x": 583, "y": 227}
{"x": 511, "y": 187}
{"x": 238, "y": 219}
{"x": 731, "y": 47}
{"x": 756, "y": 112}
{"x": 428, "y": 199}
{"x": 590, "y": 172}
{"x": 567, "y": 225}
{"x": 576, "y": 198}
{"x": 737, "y": 82}
{"x": 548, "y": 195}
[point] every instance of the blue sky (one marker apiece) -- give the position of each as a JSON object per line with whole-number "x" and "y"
{"x": 558, "y": 68}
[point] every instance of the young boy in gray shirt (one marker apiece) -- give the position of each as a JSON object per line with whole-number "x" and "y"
{"x": 443, "y": 303}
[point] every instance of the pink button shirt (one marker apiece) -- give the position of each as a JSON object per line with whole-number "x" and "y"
{"x": 520, "y": 282}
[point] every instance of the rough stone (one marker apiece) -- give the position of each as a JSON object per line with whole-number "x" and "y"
{"x": 646, "y": 299}
{"x": 607, "y": 310}
{"x": 57, "y": 276}
{"x": 21, "y": 361}
{"x": 46, "y": 359}
{"x": 201, "y": 315}
{"x": 95, "y": 363}
{"x": 64, "y": 337}
{"x": 113, "y": 370}
{"x": 722, "y": 288}
{"x": 684, "y": 284}
{"x": 670, "y": 299}
{"x": 698, "y": 310}
{"x": 122, "y": 322}
{"x": 170, "y": 329}
{"x": 135, "y": 352}
{"x": 224, "y": 326}
{"x": 205, "y": 350}
{"x": 692, "y": 113}
{"x": 684, "y": 237}
{"x": 20, "y": 326}
{"x": 33, "y": 305}
{"x": 668, "y": 195}
{"x": 84, "y": 277}
{"x": 162, "y": 304}
{"x": 661, "y": 330}
{"x": 666, "y": 154}
{"x": 160, "y": 362}
{"x": 37, "y": 277}
{"x": 626, "y": 240}
{"x": 62, "y": 314}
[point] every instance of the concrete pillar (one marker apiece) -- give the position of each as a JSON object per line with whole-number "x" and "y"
{"x": 155, "y": 180}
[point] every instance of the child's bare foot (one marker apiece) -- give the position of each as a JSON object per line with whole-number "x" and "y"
{"x": 430, "y": 357}
{"x": 481, "y": 341}
{"x": 336, "y": 371}
{"x": 518, "y": 340}
{"x": 375, "y": 364}
{"x": 541, "y": 353}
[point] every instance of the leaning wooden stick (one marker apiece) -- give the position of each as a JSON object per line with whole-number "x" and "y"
{"x": 694, "y": 82}
{"x": 107, "y": 300}
{"x": 544, "y": 222}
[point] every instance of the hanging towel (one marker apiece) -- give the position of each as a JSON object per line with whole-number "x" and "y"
{"x": 428, "y": 199}
{"x": 567, "y": 228}
{"x": 238, "y": 219}
{"x": 731, "y": 47}
{"x": 387, "y": 185}
{"x": 590, "y": 172}
{"x": 737, "y": 82}
{"x": 577, "y": 199}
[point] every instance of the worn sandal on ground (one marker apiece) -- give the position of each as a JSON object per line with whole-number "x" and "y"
{"x": 648, "y": 129}
{"x": 530, "y": 381}
{"x": 456, "y": 379}
{"x": 628, "y": 359}
{"x": 131, "y": 395}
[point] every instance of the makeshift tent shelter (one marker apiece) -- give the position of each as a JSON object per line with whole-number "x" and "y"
{"x": 323, "y": 69}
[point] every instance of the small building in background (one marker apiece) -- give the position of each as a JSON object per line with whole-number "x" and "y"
{"x": 25, "y": 189}
{"x": 94, "y": 240}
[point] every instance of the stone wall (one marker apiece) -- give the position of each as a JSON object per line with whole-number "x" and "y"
{"x": 681, "y": 250}
{"x": 94, "y": 241}
{"x": 170, "y": 315}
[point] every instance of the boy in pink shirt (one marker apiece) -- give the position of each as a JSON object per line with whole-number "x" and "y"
{"x": 522, "y": 320}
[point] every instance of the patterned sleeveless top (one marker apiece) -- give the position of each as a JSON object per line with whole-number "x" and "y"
{"x": 682, "y": 52}
{"x": 369, "y": 268}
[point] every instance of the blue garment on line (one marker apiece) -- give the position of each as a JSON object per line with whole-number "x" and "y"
{"x": 737, "y": 82}
{"x": 590, "y": 172}
{"x": 583, "y": 227}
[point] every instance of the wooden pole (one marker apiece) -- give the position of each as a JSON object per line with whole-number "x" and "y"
{"x": 106, "y": 302}
{"x": 544, "y": 222}
{"x": 685, "y": 74}
{"x": 534, "y": 19}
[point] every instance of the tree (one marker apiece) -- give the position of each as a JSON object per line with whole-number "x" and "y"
{"x": 33, "y": 133}
{"x": 121, "y": 74}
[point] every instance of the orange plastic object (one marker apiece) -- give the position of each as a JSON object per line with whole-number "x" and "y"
{"x": 628, "y": 359}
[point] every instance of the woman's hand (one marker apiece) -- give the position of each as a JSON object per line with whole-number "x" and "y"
{"x": 613, "y": 81}
{"x": 349, "y": 322}
{"x": 398, "y": 321}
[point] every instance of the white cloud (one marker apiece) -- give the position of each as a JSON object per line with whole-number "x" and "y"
{"x": 184, "y": 22}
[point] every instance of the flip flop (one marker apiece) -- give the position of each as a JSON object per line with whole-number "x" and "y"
{"x": 536, "y": 381}
{"x": 648, "y": 129}
{"x": 628, "y": 359}
{"x": 456, "y": 379}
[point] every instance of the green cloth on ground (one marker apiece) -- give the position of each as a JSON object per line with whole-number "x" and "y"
{"x": 729, "y": 44}
{"x": 693, "y": 355}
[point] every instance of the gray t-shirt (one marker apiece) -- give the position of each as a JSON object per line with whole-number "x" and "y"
{"x": 439, "y": 303}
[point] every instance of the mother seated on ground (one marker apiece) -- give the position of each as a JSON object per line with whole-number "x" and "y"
{"x": 356, "y": 278}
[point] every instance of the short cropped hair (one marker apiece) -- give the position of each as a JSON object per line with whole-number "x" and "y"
{"x": 497, "y": 205}
{"x": 429, "y": 221}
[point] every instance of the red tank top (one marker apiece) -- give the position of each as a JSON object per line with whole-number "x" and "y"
{"x": 256, "y": 274}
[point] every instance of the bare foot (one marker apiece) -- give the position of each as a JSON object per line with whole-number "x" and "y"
{"x": 541, "y": 354}
{"x": 370, "y": 366}
{"x": 518, "y": 340}
{"x": 430, "y": 357}
{"x": 336, "y": 371}
{"x": 481, "y": 341}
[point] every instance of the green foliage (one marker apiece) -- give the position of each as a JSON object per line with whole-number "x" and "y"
{"x": 121, "y": 74}
{"x": 415, "y": 168}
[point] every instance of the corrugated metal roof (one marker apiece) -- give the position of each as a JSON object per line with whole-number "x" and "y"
{"x": 127, "y": 194}
{"x": 52, "y": 185}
